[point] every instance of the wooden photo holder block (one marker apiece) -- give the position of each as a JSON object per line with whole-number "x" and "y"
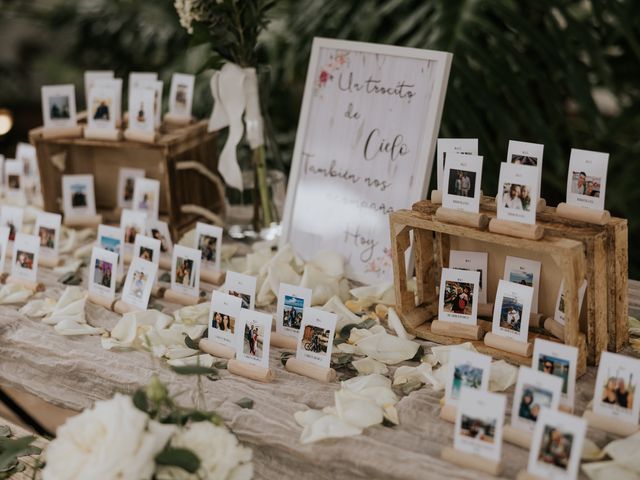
{"x": 212, "y": 277}
{"x": 177, "y": 120}
{"x": 143, "y": 137}
{"x": 35, "y": 286}
{"x": 102, "y": 134}
{"x": 587, "y": 215}
{"x": 99, "y": 300}
{"x": 283, "y": 341}
{"x": 524, "y": 475}
{"x": 216, "y": 349}
{"x": 524, "y": 349}
{"x": 610, "y": 425}
{"x": 127, "y": 256}
{"x": 459, "y": 217}
{"x": 436, "y": 197}
{"x": 82, "y": 221}
{"x": 554, "y": 328}
{"x": 517, "y": 436}
{"x": 448, "y": 413}
{"x": 165, "y": 262}
{"x": 62, "y": 132}
{"x": 121, "y": 307}
{"x": 471, "y": 461}
{"x": 253, "y": 372}
{"x": 516, "y": 229}
{"x": 310, "y": 370}
{"x": 49, "y": 262}
{"x": 485, "y": 310}
{"x": 180, "y": 298}
{"x": 458, "y": 330}
{"x": 565, "y": 408}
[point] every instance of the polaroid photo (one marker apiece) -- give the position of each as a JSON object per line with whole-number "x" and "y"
{"x": 252, "y": 337}
{"x": 473, "y": 261}
{"x": 139, "y": 282}
{"x": 524, "y": 272}
{"x": 466, "y": 369}
{"x": 535, "y": 390}
{"x": 103, "y": 273}
{"x": 181, "y": 94}
{"x": 185, "y": 271}
{"x": 3, "y": 179}
{"x": 223, "y": 314}
{"x": 126, "y": 183}
{"x": 59, "y": 106}
{"x": 26, "y": 249}
{"x": 141, "y": 110}
{"x": 138, "y": 79}
{"x": 559, "y": 314}
{"x": 556, "y": 446}
{"x": 146, "y": 196}
{"x": 209, "y": 241}
{"x": 560, "y": 360}
{"x": 147, "y": 248}
{"x": 11, "y": 217}
{"x": 4, "y": 245}
{"x": 101, "y": 108}
{"x": 26, "y": 153}
{"x": 111, "y": 239}
{"x": 243, "y": 287}
{"x": 48, "y": 231}
{"x": 479, "y": 422}
{"x": 464, "y": 146}
{"x": 78, "y": 195}
{"x": 525, "y": 153}
{"x": 615, "y": 390}
{"x": 132, "y": 223}
{"x": 160, "y": 231}
{"x": 458, "y": 296}
{"x": 91, "y": 77}
{"x": 511, "y": 310}
{"x": 14, "y": 179}
{"x": 292, "y": 300}
{"x": 115, "y": 85}
{"x": 315, "y": 338}
{"x": 517, "y": 193}
{"x": 462, "y": 178}
{"x": 587, "y": 178}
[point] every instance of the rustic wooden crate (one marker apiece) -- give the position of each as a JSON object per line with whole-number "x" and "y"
{"x": 183, "y": 160}
{"x": 561, "y": 257}
{"x": 604, "y": 317}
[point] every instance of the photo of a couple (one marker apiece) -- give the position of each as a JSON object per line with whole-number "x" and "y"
{"x": 619, "y": 391}
{"x": 252, "y": 344}
{"x": 221, "y": 321}
{"x": 583, "y": 184}
{"x": 462, "y": 183}
{"x": 516, "y": 197}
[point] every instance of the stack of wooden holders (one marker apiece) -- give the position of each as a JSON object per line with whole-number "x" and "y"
{"x": 570, "y": 250}
{"x": 183, "y": 160}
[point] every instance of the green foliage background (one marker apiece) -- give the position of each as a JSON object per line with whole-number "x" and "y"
{"x": 565, "y": 73}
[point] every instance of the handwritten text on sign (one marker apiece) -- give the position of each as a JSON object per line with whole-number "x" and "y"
{"x": 362, "y": 154}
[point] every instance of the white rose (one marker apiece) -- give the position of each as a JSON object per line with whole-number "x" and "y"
{"x": 113, "y": 440}
{"x": 221, "y": 455}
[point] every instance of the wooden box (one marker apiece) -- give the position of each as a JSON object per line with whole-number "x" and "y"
{"x": 182, "y": 159}
{"x": 605, "y": 311}
{"x": 561, "y": 257}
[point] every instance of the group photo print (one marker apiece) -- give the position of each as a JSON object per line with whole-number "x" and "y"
{"x": 458, "y": 297}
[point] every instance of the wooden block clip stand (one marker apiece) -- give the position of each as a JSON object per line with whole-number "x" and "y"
{"x": 459, "y": 217}
{"x": 62, "y": 132}
{"x": 216, "y": 349}
{"x": 457, "y": 330}
{"x": 182, "y": 299}
{"x": 524, "y": 475}
{"x": 283, "y": 341}
{"x": 177, "y": 120}
{"x": 252, "y": 372}
{"x": 35, "y": 286}
{"x": 588, "y": 215}
{"x": 100, "y": 300}
{"x": 103, "y": 134}
{"x": 212, "y": 277}
{"x": 143, "y": 137}
{"x": 49, "y": 262}
{"x": 448, "y": 413}
{"x": 310, "y": 370}
{"x": 469, "y": 460}
{"x": 516, "y": 229}
{"x": 610, "y": 425}
{"x": 524, "y": 349}
{"x": 517, "y": 436}
{"x": 554, "y": 327}
{"x": 82, "y": 221}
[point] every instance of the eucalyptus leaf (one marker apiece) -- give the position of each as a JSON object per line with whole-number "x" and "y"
{"x": 179, "y": 457}
{"x": 221, "y": 364}
{"x": 190, "y": 342}
{"x": 284, "y": 356}
{"x": 5, "y": 431}
{"x": 245, "y": 402}
{"x": 140, "y": 400}
{"x": 165, "y": 277}
{"x": 194, "y": 370}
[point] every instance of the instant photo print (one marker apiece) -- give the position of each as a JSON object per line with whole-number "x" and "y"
{"x": 252, "y": 338}
{"x": 535, "y": 390}
{"x": 458, "y": 296}
{"x": 78, "y": 196}
{"x": 59, "y": 106}
{"x": 315, "y": 338}
{"x": 559, "y": 313}
{"x": 111, "y": 239}
{"x": 91, "y": 77}
{"x": 292, "y": 300}
{"x": 524, "y": 272}
{"x": 475, "y": 262}
{"x": 209, "y": 241}
{"x": 126, "y": 183}
{"x": 223, "y": 314}
{"x": 14, "y": 180}
{"x": 462, "y": 178}
{"x": 181, "y": 97}
{"x": 160, "y": 231}
{"x": 517, "y": 193}
{"x": 4, "y": 245}
{"x": 103, "y": 273}
{"x": 47, "y": 228}
{"x": 11, "y": 217}
{"x": 243, "y": 287}
{"x": 466, "y": 369}
{"x": 559, "y": 360}
{"x": 26, "y": 249}
{"x": 146, "y": 196}
{"x": 147, "y": 248}
{"x": 587, "y": 179}
{"x": 138, "y": 284}
{"x": 142, "y": 110}
{"x": 114, "y": 84}
{"x": 101, "y": 114}
{"x": 132, "y": 222}
{"x": 446, "y": 146}
{"x": 511, "y": 311}
{"x": 185, "y": 271}
{"x": 525, "y": 153}
{"x": 615, "y": 395}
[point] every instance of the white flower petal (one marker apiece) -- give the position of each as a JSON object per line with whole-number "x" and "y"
{"x": 608, "y": 471}
{"x": 441, "y": 352}
{"x": 357, "y": 410}
{"x": 396, "y": 324}
{"x": 380, "y": 293}
{"x": 388, "y": 348}
{"x": 345, "y": 316}
{"x": 193, "y": 314}
{"x": 625, "y": 452}
{"x": 331, "y": 263}
{"x": 328, "y": 426}
{"x": 366, "y": 366}
{"x": 14, "y": 293}
{"x": 38, "y": 308}
{"x": 502, "y": 375}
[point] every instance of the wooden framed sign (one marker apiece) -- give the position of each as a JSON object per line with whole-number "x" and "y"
{"x": 364, "y": 148}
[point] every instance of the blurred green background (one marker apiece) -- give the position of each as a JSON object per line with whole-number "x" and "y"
{"x": 559, "y": 72}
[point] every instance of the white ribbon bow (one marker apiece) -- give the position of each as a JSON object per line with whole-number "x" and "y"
{"x": 235, "y": 91}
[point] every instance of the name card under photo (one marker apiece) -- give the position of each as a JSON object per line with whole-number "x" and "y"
{"x": 364, "y": 148}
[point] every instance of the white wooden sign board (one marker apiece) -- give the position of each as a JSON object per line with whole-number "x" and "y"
{"x": 364, "y": 148}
